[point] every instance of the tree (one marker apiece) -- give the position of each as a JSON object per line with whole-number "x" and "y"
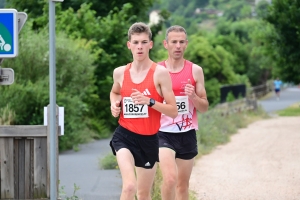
{"x": 216, "y": 63}
{"x": 261, "y": 8}
{"x": 74, "y": 80}
{"x": 237, "y": 10}
{"x": 102, "y": 7}
{"x": 284, "y": 15}
{"x": 261, "y": 55}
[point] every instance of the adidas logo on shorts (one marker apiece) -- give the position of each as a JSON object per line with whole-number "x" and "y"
{"x": 147, "y": 164}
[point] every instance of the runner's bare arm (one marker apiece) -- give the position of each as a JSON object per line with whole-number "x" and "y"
{"x": 163, "y": 78}
{"x": 198, "y": 94}
{"x": 115, "y": 95}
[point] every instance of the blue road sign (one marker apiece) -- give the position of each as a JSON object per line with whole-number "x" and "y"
{"x": 8, "y": 33}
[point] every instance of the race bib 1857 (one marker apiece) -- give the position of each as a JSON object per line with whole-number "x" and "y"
{"x": 130, "y": 110}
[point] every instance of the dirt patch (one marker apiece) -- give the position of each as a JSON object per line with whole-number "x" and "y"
{"x": 262, "y": 162}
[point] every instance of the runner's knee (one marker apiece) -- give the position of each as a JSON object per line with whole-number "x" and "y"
{"x": 182, "y": 186}
{"x": 170, "y": 181}
{"x": 129, "y": 188}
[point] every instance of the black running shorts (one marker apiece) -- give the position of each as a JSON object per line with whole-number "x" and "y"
{"x": 144, "y": 148}
{"x": 184, "y": 144}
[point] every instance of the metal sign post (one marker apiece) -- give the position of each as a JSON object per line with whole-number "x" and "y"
{"x": 52, "y": 85}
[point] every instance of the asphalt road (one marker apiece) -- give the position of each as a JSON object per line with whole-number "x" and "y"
{"x": 81, "y": 168}
{"x": 288, "y": 96}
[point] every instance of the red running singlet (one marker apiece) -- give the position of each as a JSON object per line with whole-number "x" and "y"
{"x": 140, "y": 125}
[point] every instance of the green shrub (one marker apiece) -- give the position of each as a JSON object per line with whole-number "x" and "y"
{"x": 215, "y": 129}
{"x": 230, "y": 97}
{"x": 62, "y": 193}
{"x": 7, "y": 115}
{"x": 108, "y": 162}
{"x": 74, "y": 86}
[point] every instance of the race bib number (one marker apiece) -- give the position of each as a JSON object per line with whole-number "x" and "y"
{"x": 130, "y": 110}
{"x": 182, "y": 103}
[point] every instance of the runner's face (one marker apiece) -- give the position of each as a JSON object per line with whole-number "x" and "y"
{"x": 176, "y": 44}
{"x": 140, "y": 46}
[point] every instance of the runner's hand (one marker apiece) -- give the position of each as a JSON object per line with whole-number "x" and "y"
{"x": 139, "y": 98}
{"x": 189, "y": 90}
{"x": 115, "y": 109}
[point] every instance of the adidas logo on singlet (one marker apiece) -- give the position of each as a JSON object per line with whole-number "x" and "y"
{"x": 147, "y": 164}
{"x": 146, "y": 92}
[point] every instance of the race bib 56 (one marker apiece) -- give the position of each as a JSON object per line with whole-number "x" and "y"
{"x": 182, "y": 103}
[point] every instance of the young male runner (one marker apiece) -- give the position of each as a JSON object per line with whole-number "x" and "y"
{"x": 137, "y": 96}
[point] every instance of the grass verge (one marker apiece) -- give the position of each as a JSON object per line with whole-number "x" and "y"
{"x": 293, "y": 110}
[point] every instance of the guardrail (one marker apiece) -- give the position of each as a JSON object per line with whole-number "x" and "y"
{"x": 261, "y": 90}
{"x": 236, "y": 106}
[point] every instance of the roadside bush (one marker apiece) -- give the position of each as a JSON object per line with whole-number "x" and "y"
{"x": 7, "y": 116}
{"x": 108, "y": 162}
{"x": 29, "y": 94}
{"x": 215, "y": 129}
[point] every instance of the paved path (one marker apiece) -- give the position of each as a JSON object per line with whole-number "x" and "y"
{"x": 288, "y": 96}
{"x": 82, "y": 169}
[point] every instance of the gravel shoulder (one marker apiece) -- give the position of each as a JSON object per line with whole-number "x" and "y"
{"x": 261, "y": 162}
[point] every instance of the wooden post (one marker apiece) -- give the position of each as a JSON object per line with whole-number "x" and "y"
{"x": 7, "y": 168}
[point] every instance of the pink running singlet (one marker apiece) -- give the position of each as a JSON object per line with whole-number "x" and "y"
{"x": 187, "y": 116}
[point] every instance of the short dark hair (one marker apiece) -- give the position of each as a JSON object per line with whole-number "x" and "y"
{"x": 139, "y": 27}
{"x": 175, "y": 28}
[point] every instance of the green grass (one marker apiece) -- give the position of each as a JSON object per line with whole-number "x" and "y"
{"x": 62, "y": 193}
{"x": 108, "y": 162}
{"x": 215, "y": 129}
{"x": 7, "y": 116}
{"x": 293, "y": 110}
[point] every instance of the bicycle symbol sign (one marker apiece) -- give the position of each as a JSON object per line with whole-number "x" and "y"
{"x": 8, "y": 33}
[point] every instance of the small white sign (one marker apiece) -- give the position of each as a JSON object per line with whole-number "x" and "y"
{"x": 61, "y": 115}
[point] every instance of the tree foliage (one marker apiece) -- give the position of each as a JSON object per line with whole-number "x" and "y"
{"x": 284, "y": 15}
{"x": 216, "y": 63}
{"x": 109, "y": 36}
{"x": 74, "y": 81}
{"x": 102, "y": 8}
